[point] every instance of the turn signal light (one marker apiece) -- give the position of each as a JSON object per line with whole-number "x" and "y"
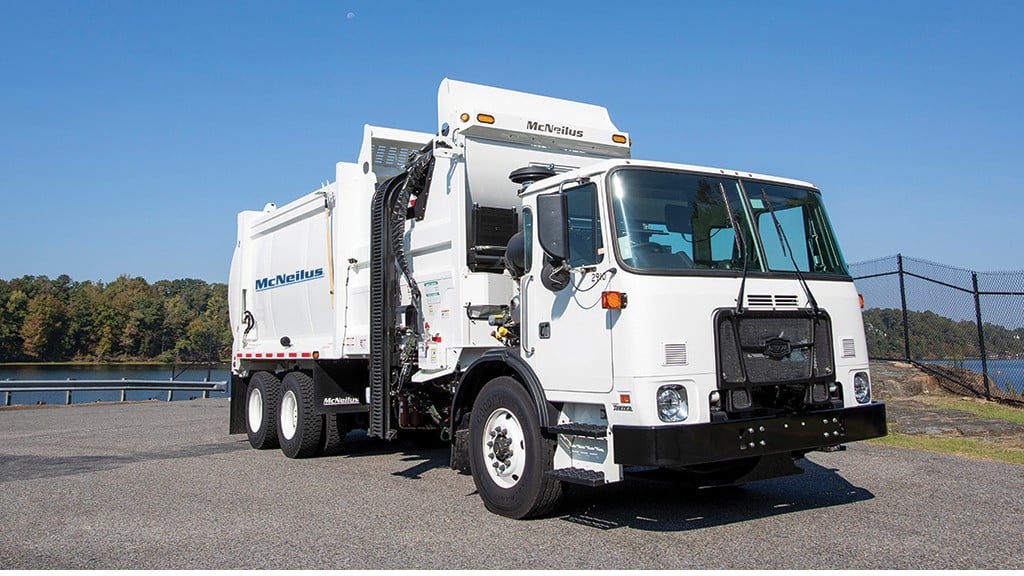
{"x": 485, "y": 118}
{"x": 613, "y": 300}
{"x": 618, "y": 139}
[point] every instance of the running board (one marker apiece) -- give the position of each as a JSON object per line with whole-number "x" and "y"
{"x": 577, "y": 476}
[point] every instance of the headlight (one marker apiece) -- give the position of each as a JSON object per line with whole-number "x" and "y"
{"x": 672, "y": 404}
{"x": 861, "y": 387}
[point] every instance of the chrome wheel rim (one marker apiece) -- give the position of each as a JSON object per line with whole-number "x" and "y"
{"x": 289, "y": 415}
{"x": 504, "y": 448}
{"x": 255, "y": 409}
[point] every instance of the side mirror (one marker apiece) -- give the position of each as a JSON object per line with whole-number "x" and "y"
{"x": 552, "y": 230}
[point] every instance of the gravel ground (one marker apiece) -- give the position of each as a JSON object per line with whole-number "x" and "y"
{"x": 163, "y": 486}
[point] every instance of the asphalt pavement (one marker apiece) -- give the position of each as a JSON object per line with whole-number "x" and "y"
{"x": 159, "y": 485}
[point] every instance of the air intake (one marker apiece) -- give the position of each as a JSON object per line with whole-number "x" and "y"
{"x": 772, "y": 302}
{"x": 785, "y": 301}
{"x": 675, "y": 355}
{"x": 849, "y": 350}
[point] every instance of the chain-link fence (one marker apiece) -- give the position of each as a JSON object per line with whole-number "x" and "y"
{"x": 965, "y": 327}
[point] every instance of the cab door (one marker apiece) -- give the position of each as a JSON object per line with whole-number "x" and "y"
{"x": 567, "y": 332}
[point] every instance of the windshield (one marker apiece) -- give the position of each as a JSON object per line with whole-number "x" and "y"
{"x": 802, "y": 220}
{"x": 667, "y": 221}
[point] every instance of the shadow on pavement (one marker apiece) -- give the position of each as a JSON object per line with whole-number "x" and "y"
{"x": 426, "y": 452}
{"x": 654, "y": 502}
{"x": 31, "y": 467}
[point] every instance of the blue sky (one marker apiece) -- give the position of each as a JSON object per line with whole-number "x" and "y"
{"x": 131, "y": 133}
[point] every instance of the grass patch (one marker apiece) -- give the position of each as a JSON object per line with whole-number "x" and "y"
{"x": 968, "y": 447}
{"x": 989, "y": 410}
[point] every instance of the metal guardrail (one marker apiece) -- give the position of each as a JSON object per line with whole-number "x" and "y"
{"x": 9, "y": 387}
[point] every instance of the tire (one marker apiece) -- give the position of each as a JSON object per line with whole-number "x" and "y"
{"x": 333, "y": 435}
{"x": 299, "y": 428}
{"x": 261, "y": 400}
{"x": 517, "y": 487}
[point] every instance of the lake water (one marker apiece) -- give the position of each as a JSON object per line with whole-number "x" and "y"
{"x": 112, "y": 372}
{"x": 1008, "y": 375}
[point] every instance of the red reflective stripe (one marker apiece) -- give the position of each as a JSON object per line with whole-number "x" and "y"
{"x": 280, "y": 354}
{"x": 293, "y": 354}
{"x": 306, "y": 354}
{"x": 248, "y": 355}
{"x": 259, "y": 355}
{"x": 239, "y": 355}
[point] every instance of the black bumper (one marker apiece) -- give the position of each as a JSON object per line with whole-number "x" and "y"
{"x": 720, "y": 441}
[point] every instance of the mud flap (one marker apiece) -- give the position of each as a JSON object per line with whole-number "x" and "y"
{"x": 237, "y": 414}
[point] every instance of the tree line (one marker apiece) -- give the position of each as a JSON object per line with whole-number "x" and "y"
{"x": 935, "y": 337}
{"x": 129, "y": 319}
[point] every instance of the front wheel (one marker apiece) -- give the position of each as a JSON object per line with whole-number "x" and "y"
{"x": 298, "y": 426}
{"x": 508, "y": 455}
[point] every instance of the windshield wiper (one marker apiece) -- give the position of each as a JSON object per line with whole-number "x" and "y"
{"x": 787, "y": 249}
{"x": 741, "y": 244}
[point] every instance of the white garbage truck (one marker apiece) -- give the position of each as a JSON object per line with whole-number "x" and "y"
{"x": 518, "y": 286}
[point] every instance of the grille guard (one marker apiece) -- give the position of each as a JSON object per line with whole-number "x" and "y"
{"x": 773, "y": 347}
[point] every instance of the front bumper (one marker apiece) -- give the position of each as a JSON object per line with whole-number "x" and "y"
{"x": 720, "y": 441}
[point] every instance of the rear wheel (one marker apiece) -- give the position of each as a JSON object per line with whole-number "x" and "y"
{"x": 333, "y": 435}
{"x": 508, "y": 455}
{"x": 260, "y": 408}
{"x": 299, "y": 428}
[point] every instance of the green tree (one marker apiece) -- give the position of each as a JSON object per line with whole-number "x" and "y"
{"x": 208, "y": 338}
{"x": 12, "y": 316}
{"x": 43, "y": 331}
{"x": 127, "y": 319}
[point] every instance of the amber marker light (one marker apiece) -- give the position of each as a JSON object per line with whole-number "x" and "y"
{"x": 485, "y": 118}
{"x": 316, "y": 354}
{"x": 623, "y": 398}
{"x": 619, "y": 139}
{"x": 464, "y": 117}
{"x": 613, "y": 300}
{"x": 861, "y": 298}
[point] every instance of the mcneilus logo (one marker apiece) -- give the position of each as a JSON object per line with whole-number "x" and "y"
{"x": 271, "y": 282}
{"x": 553, "y": 129}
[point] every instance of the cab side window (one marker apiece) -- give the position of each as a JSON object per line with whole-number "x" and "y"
{"x": 585, "y": 244}
{"x": 528, "y": 239}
